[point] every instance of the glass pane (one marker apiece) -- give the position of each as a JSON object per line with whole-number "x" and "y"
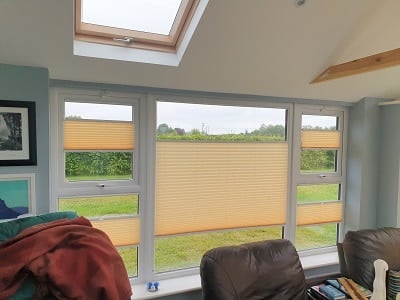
{"x": 84, "y": 166}
{"x": 317, "y": 193}
{"x": 130, "y": 257}
{"x": 209, "y": 159}
{"x": 316, "y": 236}
{"x": 318, "y": 161}
{"x": 96, "y": 206}
{"x": 153, "y": 16}
{"x": 177, "y": 121}
{"x": 96, "y": 111}
{"x": 319, "y": 122}
{"x": 184, "y": 251}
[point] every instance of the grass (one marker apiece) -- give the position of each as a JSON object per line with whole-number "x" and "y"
{"x": 182, "y": 251}
{"x": 317, "y": 193}
{"x": 101, "y": 205}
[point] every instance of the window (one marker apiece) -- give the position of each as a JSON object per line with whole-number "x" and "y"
{"x": 319, "y": 183}
{"x": 99, "y": 177}
{"x": 221, "y": 178}
{"x": 168, "y": 178}
{"x": 145, "y": 24}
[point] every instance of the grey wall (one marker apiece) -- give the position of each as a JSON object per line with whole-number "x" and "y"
{"x": 362, "y": 165}
{"x": 388, "y": 208}
{"x": 31, "y": 84}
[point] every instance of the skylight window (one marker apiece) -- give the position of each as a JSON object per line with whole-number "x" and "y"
{"x": 152, "y": 16}
{"x": 145, "y": 24}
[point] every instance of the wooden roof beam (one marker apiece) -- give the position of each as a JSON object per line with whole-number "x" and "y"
{"x": 365, "y": 64}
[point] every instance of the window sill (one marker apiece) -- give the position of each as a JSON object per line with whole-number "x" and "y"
{"x": 191, "y": 283}
{"x": 167, "y": 287}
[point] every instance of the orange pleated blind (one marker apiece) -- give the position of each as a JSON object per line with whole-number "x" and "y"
{"x": 318, "y": 213}
{"x": 98, "y": 135}
{"x": 122, "y": 232}
{"x": 204, "y": 186}
{"x": 320, "y": 139}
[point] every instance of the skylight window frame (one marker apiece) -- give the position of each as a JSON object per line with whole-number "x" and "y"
{"x": 136, "y": 39}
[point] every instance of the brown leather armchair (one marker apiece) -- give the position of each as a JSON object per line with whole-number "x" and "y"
{"x": 261, "y": 270}
{"x": 362, "y": 247}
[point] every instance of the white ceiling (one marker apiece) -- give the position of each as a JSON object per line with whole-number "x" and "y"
{"x": 258, "y": 47}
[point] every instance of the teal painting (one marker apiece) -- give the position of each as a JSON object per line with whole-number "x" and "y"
{"x": 15, "y": 197}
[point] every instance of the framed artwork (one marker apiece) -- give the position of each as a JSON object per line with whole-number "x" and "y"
{"x": 17, "y": 195}
{"x": 17, "y": 133}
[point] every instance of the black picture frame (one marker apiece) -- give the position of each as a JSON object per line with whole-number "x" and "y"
{"x": 17, "y": 133}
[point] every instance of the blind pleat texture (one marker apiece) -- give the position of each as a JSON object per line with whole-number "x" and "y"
{"x": 122, "y": 232}
{"x": 98, "y": 135}
{"x": 320, "y": 139}
{"x": 318, "y": 213}
{"x": 204, "y": 186}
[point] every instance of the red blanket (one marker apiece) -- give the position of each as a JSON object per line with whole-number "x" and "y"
{"x": 69, "y": 257}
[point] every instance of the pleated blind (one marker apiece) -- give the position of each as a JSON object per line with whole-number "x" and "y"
{"x": 122, "y": 232}
{"x": 98, "y": 135}
{"x": 204, "y": 186}
{"x": 318, "y": 213}
{"x": 320, "y": 139}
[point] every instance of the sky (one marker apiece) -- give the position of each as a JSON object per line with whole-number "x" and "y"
{"x": 143, "y": 15}
{"x": 211, "y": 119}
{"x": 217, "y": 119}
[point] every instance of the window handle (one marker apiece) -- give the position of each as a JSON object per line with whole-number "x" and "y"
{"x": 101, "y": 185}
{"x": 322, "y": 176}
{"x": 125, "y": 39}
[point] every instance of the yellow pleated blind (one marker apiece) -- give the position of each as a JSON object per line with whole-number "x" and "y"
{"x": 122, "y": 232}
{"x": 98, "y": 135}
{"x": 320, "y": 139}
{"x": 318, "y": 213}
{"x": 204, "y": 186}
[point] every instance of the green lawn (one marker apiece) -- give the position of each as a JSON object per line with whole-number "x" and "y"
{"x": 101, "y": 205}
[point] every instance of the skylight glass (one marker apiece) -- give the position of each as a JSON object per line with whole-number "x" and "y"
{"x": 152, "y": 16}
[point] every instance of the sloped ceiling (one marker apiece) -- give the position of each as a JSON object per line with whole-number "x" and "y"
{"x": 257, "y": 47}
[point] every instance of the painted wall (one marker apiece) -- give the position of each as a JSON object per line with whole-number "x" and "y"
{"x": 388, "y": 208}
{"x": 31, "y": 84}
{"x": 362, "y": 165}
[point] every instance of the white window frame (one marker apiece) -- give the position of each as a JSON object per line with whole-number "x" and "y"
{"x": 145, "y": 110}
{"x": 298, "y": 178}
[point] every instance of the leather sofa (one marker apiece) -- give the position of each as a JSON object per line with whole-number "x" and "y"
{"x": 361, "y": 248}
{"x": 261, "y": 270}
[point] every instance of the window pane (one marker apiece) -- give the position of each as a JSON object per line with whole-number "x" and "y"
{"x": 117, "y": 216}
{"x": 98, "y": 141}
{"x": 320, "y": 142}
{"x": 316, "y": 236}
{"x": 185, "y": 251}
{"x": 96, "y": 111}
{"x": 218, "y": 168}
{"x": 83, "y": 166}
{"x": 316, "y": 205}
{"x": 96, "y": 206}
{"x": 318, "y": 161}
{"x": 317, "y": 193}
{"x": 130, "y": 257}
{"x": 151, "y": 16}
{"x": 319, "y": 122}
